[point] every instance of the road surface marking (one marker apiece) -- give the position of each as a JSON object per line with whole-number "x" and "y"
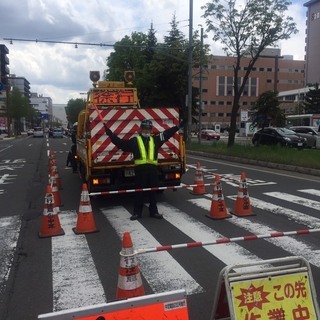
{"x": 162, "y": 272}
{"x": 75, "y": 279}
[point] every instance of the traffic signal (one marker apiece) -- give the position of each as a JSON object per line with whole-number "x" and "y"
{"x": 4, "y": 62}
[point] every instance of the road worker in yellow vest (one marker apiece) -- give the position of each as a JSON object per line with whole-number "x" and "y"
{"x": 144, "y": 148}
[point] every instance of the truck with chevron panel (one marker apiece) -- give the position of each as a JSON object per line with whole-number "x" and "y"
{"x": 101, "y": 164}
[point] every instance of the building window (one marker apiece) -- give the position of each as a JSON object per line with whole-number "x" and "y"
{"x": 261, "y": 69}
{"x": 253, "y": 87}
{"x": 204, "y": 90}
{"x": 221, "y": 103}
{"x": 212, "y": 103}
{"x": 221, "y": 86}
{"x": 220, "y": 114}
{"x": 269, "y": 69}
{"x": 269, "y": 81}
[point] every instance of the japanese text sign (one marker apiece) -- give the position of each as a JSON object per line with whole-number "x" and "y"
{"x": 285, "y": 297}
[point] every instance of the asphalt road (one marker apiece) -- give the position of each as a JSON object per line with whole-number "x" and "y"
{"x": 44, "y": 275}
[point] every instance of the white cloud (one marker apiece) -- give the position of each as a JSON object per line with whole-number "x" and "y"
{"x": 61, "y": 71}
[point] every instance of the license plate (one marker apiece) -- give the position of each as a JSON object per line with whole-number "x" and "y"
{"x": 129, "y": 172}
{"x": 300, "y": 144}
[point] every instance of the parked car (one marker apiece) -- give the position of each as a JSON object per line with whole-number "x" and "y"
{"x": 278, "y": 136}
{"x": 57, "y": 133}
{"x": 38, "y": 132}
{"x": 210, "y": 135}
{"x": 310, "y": 133}
{"x": 30, "y": 132}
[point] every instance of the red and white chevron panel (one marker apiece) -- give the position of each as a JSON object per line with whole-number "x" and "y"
{"x": 125, "y": 123}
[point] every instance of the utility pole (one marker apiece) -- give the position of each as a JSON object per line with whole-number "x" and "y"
{"x": 200, "y": 87}
{"x": 190, "y": 71}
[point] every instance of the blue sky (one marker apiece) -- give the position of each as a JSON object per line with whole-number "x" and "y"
{"x": 62, "y": 71}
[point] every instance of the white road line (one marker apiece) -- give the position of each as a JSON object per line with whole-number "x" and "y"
{"x": 229, "y": 254}
{"x": 75, "y": 279}
{"x": 9, "y": 233}
{"x": 314, "y": 192}
{"x": 162, "y": 272}
{"x": 289, "y": 244}
{"x": 295, "y": 199}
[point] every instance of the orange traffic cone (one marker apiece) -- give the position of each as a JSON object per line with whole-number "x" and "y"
{"x": 50, "y": 224}
{"x": 242, "y": 207}
{"x": 129, "y": 280}
{"x": 218, "y": 208}
{"x": 85, "y": 220}
{"x": 55, "y": 189}
{"x": 198, "y": 181}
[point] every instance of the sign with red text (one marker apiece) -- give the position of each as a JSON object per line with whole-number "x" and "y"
{"x": 281, "y": 297}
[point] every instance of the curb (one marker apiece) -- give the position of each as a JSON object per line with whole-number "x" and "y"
{"x": 271, "y": 165}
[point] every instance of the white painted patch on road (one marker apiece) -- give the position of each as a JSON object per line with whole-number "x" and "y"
{"x": 295, "y": 199}
{"x": 9, "y": 234}
{"x": 160, "y": 269}
{"x": 75, "y": 279}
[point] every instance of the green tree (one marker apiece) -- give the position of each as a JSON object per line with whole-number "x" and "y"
{"x": 245, "y": 31}
{"x": 312, "y": 100}
{"x": 73, "y": 108}
{"x": 129, "y": 54}
{"x": 18, "y": 107}
{"x": 267, "y": 111}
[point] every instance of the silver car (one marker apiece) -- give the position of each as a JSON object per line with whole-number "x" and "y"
{"x": 38, "y": 132}
{"x": 310, "y": 133}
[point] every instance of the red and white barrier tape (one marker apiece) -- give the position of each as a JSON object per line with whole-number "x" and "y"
{"x": 226, "y": 240}
{"x": 150, "y": 189}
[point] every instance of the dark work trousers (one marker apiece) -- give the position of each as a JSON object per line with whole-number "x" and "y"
{"x": 146, "y": 176}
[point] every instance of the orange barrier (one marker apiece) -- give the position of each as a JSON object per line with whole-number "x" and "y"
{"x": 198, "y": 181}
{"x": 218, "y": 208}
{"x": 242, "y": 207}
{"x": 85, "y": 219}
{"x": 129, "y": 280}
{"x": 50, "y": 223}
{"x": 55, "y": 189}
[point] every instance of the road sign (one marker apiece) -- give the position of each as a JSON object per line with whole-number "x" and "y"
{"x": 1, "y": 86}
{"x": 283, "y": 287}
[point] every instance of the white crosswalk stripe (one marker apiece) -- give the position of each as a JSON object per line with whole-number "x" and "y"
{"x": 9, "y": 233}
{"x": 294, "y": 246}
{"x": 295, "y": 199}
{"x": 73, "y": 265}
{"x": 162, "y": 272}
{"x": 75, "y": 279}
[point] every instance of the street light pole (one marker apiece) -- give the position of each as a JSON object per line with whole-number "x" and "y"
{"x": 200, "y": 87}
{"x": 190, "y": 71}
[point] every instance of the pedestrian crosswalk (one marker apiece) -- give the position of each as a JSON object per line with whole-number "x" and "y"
{"x": 76, "y": 281}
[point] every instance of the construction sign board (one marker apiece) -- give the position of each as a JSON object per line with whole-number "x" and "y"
{"x": 170, "y": 305}
{"x": 273, "y": 292}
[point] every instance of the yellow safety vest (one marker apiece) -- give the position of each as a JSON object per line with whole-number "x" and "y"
{"x": 143, "y": 153}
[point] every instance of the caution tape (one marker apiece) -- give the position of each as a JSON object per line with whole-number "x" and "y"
{"x": 226, "y": 240}
{"x": 149, "y": 189}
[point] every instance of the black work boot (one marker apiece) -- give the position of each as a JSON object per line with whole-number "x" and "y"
{"x": 135, "y": 217}
{"x": 156, "y": 216}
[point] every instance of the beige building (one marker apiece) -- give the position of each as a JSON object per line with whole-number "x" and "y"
{"x": 313, "y": 42}
{"x": 271, "y": 72}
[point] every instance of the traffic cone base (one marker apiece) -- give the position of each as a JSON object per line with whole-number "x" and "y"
{"x": 199, "y": 189}
{"x": 85, "y": 219}
{"x": 242, "y": 207}
{"x": 129, "y": 280}
{"x": 50, "y": 224}
{"x": 218, "y": 208}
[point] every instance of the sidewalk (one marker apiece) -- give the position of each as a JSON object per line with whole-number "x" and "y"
{"x": 4, "y": 136}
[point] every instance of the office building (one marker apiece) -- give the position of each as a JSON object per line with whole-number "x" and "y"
{"x": 313, "y": 42}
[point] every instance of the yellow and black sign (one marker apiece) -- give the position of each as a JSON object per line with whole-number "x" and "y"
{"x": 282, "y": 297}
